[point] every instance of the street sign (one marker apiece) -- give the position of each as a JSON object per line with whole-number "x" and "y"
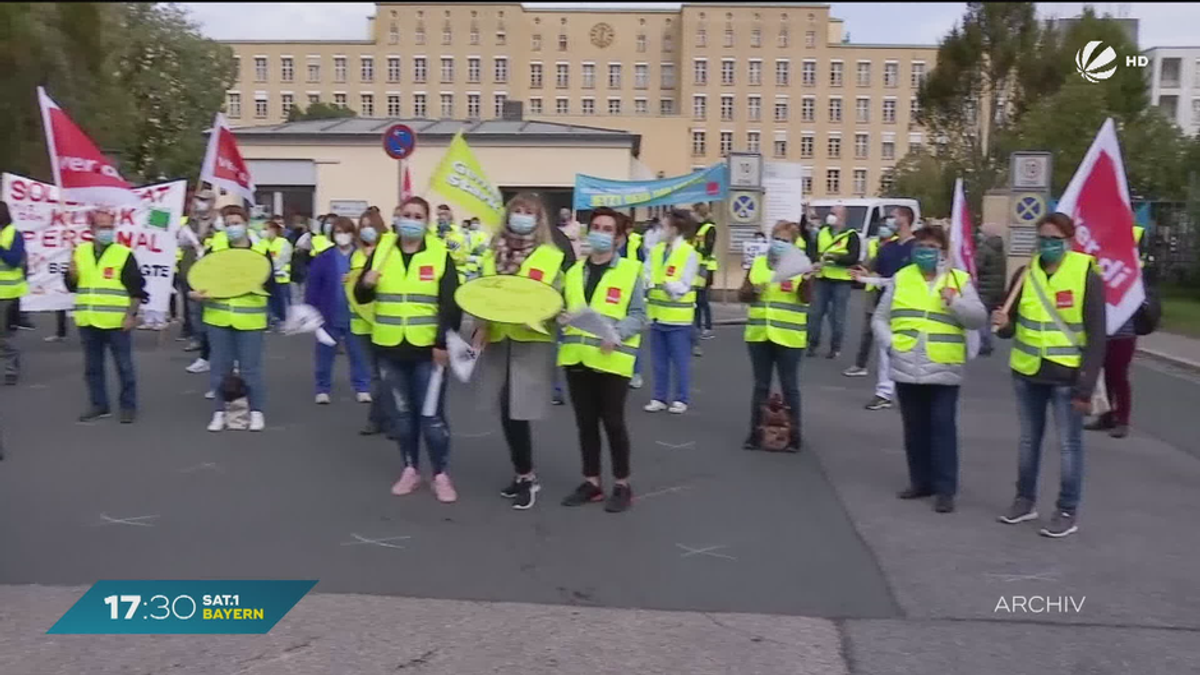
{"x": 744, "y": 207}
{"x": 1030, "y": 171}
{"x": 1028, "y": 207}
{"x": 745, "y": 170}
{"x": 399, "y": 141}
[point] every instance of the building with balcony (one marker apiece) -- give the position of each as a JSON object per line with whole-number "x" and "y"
{"x": 1173, "y": 77}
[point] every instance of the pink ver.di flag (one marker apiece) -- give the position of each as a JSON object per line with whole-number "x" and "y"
{"x": 82, "y": 173}
{"x": 962, "y": 242}
{"x": 223, "y": 164}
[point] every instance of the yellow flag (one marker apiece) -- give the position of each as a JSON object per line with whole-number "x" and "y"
{"x": 460, "y": 179}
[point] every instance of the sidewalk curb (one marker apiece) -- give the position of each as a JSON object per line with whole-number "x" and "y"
{"x": 1170, "y": 359}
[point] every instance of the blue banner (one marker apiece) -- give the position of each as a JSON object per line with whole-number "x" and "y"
{"x": 705, "y": 185}
{"x": 181, "y": 607}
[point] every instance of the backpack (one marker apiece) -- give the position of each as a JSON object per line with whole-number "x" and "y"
{"x": 1148, "y": 315}
{"x": 775, "y": 424}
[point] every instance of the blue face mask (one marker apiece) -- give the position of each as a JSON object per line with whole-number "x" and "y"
{"x": 779, "y": 247}
{"x": 235, "y": 232}
{"x": 522, "y": 223}
{"x": 368, "y": 235}
{"x": 926, "y": 259}
{"x": 410, "y": 229}
{"x": 104, "y": 237}
{"x": 602, "y": 242}
{"x": 1051, "y": 250}
{"x": 886, "y": 232}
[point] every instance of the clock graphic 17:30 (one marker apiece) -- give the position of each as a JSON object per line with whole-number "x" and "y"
{"x": 602, "y": 35}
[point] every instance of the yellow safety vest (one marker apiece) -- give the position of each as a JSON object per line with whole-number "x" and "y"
{"x": 406, "y": 299}
{"x": 319, "y": 243}
{"x": 1037, "y": 337}
{"x": 778, "y": 315}
{"x": 542, "y": 265}
{"x": 660, "y": 306}
{"x": 611, "y": 299}
{"x": 101, "y": 300}
{"x": 917, "y": 311}
{"x": 1138, "y": 233}
{"x": 244, "y": 312}
{"x": 218, "y": 242}
{"x": 708, "y": 262}
{"x": 358, "y": 325}
{"x": 802, "y": 243}
{"x": 477, "y": 246}
{"x": 275, "y": 248}
{"x": 834, "y": 245}
{"x": 12, "y": 279}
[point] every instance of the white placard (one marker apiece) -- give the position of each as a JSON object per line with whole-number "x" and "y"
{"x": 783, "y": 183}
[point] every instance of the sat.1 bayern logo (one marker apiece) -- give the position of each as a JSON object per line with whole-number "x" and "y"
{"x": 1093, "y": 66}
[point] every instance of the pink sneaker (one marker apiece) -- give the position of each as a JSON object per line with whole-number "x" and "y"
{"x": 444, "y": 489}
{"x": 409, "y": 481}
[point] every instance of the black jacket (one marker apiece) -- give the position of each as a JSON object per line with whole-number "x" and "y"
{"x": 990, "y": 263}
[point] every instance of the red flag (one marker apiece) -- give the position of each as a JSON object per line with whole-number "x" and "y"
{"x": 406, "y": 191}
{"x": 223, "y": 163}
{"x": 82, "y": 173}
{"x": 962, "y": 243}
{"x": 1097, "y": 199}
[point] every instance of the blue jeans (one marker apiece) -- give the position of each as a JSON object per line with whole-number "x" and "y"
{"x": 95, "y": 340}
{"x": 244, "y": 347}
{"x": 379, "y": 414}
{"x": 671, "y": 346}
{"x": 929, "y": 413}
{"x": 1032, "y": 401}
{"x": 408, "y": 381}
{"x": 766, "y": 358}
{"x": 637, "y": 362}
{"x": 832, "y": 298}
{"x": 360, "y": 377}
{"x": 277, "y": 304}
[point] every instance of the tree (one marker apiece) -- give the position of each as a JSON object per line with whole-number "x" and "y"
{"x": 319, "y": 111}
{"x": 927, "y": 179}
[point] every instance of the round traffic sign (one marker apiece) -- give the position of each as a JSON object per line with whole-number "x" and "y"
{"x": 399, "y": 141}
{"x": 1029, "y": 207}
{"x": 743, "y": 208}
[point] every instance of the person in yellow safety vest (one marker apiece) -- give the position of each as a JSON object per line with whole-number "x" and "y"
{"x": 235, "y": 326}
{"x": 886, "y": 235}
{"x": 411, "y": 280}
{"x": 474, "y": 244}
{"x": 599, "y": 367}
{"x": 454, "y": 238}
{"x": 705, "y": 243}
{"x": 671, "y": 306}
{"x": 776, "y": 332}
{"x": 923, "y": 320}
{"x": 838, "y": 249}
{"x": 326, "y": 292}
{"x": 1057, "y": 323}
{"x": 370, "y": 230}
{"x": 631, "y": 247}
{"x": 517, "y": 367}
{"x": 280, "y": 251}
{"x": 12, "y": 288}
{"x": 108, "y": 287}
{"x": 1139, "y": 233}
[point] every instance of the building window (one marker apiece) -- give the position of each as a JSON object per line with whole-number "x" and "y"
{"x": 561, "y": 75}
{"x": 727, "y": 67}
{"x": 726, "y": 143}
{"x": 699, "y": 147}
{"x": 808, "y": 73}
{"x": 891, "y": 74}
{"x": 420, "y": 34}
{"x": 562, "y": 106}
{"x": 701, "y": 37}
{"x": 668, "y": 43}
{"x": 918, "y": 75}
{"x": 614, "y": 76}
{"x": 666, "y": 106}
{"x": 260, "y": 105}
{"x": 914, "y": 143}
{"x": 889, "y": 111}
{"x": 753, "y": 141}
{"x": 808, "y": 109}
{"x": 835, "y": 74}
{"x": 727, "y": 108}
{"x": 393, "y": 105}
{"x": 887, "y": 180}
{"x": 699, "y": 107}
{"x": 668, "y": 75}
{"x": 260, "y": 69}
{"x": 419, "y": 69}
{"x": 783, "y": 37}
{"x": 641, "y": 76}
{"x": 862, "y": 144}
{"x": 313, "y": 98}
{"x": 835, "y": 147}
{"x": 535, "y": 76}
{"x": 781, "y": 110}
{"x": 833, "y": 181}
{"x": 501, "y": 70}
{"x": 447, "y": 105}
{"x": 314, "y": 71}
{"x": 536, "y": 42}
{"x": 368, "y": 69}
{"x": 756, "y": 37}
{"x": 339, "y": 69}
{"x": 393, "y": 69}
{"x": 807, "y": 142}
{"x": 393, "y": 33}
{"x": 641, "y": 42}
{"x": 473, "y": 106}
{"x": 562, "y": 42}
{"x": 810, "y": 39}
{"x": 754, "y": 104}
{"x": 447, "y": 70}
{"x": 233, "y": 104}
{"x": 589, "y": 76}
{"x": 474, "y": 35}
{"x": 614, "y": 106}
{"x": 863, "y": 74}
{"x": 419, "y": 110}
{"x": 783, "y": 72}
{"x": 700, "y": 72}
{"x": 780, "y": 149}
{"x": 367, "y": 104}
{"x": 535, "y": 106}
{"x": 806, "y": 184}
{"x": 888, "y": 150}
{"x": 860, "y": 181}
{"x": 446, "y": 35}
{"x": 914, "y": 108}
{"x": 287, "y": 69}
{"x": 728, "y": 37}
{"x": 835, "y": 110}
{"x": 640, "y": 107}
{"x": 501, "y": 37}
{"x": 1195, "y": 110}
{"x": 473, "y": 68}
{"x": 862, "y": 110}
{"x": 589, "y": 106}
{"x": 339, "y": 99}
{"x": 500, "y": 100}
{"x": 755, "y": 73}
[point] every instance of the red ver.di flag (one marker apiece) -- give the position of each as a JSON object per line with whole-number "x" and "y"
{"x": 223, "y": 164}
{"x": 81, "y": 171}
{"x": 1097, "y": 199}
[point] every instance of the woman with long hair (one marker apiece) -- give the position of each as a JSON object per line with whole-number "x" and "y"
{"x": 326, "y": 292}
{"x": 370, "y": 230}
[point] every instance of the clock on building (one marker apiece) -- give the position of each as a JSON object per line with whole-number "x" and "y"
{"x": 602, "y": 35}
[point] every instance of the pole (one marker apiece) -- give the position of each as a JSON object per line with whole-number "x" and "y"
{"x": 399, "y": 181}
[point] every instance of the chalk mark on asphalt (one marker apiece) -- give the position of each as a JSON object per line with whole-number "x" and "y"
{"x": 382, "y": 541}
{"x": 482, "y": 434}
{"x": 664, "y": 491}
{"x": 1040, "y": 576}
{"x": 707, "y": 550}
{"x": 206, "y": 466}
{"x": 132, "y": 520}
{"x": 673, "y": 446}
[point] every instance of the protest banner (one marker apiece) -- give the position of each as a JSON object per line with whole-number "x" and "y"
{"x": 53, "y": 229}
{"x": 705, "y": 185}
{"x": 82, "y": 172}
{"x": 460, "y": 179}
{"x": 1097, "y": 199}
{"x": 223, "y": 164}
{"x": 962, "y": 249}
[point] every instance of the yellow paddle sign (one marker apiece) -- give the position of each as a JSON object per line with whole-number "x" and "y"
{"x": 230, "y": 273}
{"x": 510, "y": 299}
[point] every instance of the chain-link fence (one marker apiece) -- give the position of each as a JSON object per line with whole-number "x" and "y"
{"x": 1173, "y": 245}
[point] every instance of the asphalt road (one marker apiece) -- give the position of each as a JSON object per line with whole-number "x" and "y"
{"x": 863, "y": 583}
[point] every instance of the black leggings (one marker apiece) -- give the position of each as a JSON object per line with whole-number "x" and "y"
{"x": 517, "y": 433}
{"x": 600, "y": 398}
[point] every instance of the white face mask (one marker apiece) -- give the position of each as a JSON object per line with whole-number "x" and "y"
{"x": 831, "y": 220}
{"x": 343, "y": 239}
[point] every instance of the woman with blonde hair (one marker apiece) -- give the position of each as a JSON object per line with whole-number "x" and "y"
{"x": 371, "y": 229}
{"x": 517, "y": 361}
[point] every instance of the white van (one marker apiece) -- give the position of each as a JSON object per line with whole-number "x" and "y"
{"x": 865, "y": 214}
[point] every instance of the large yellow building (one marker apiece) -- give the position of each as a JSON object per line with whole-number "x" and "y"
{"x": 695, "y": 82}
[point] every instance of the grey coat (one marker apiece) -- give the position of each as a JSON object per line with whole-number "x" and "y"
{"x": 915, "y": 366}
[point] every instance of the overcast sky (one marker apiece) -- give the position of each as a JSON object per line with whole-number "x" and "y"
{"x": 1162, "y": 23}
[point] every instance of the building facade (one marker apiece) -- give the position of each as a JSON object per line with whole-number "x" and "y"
{"x": 695, "y": 82}
{"x": 1174, "y": 82}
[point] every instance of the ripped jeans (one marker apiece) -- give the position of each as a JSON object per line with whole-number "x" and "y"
{"x": 407, "y": 381}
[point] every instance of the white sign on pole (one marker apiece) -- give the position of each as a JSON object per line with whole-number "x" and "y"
{"x": 350, "y": 208}
{"x": 783, "y": 183}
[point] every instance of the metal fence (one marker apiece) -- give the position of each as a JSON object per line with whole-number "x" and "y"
{"x": 1173, "y": 245}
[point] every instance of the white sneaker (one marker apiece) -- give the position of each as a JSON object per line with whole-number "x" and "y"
{"x": 655, "y": 406}
{"x": 635, "y": 382}
{"x": 364, "y": 397}
{"x": 322, "y": 399}
{"x": 54, "y": 338}
{"x": 218, "y": 422}
{"x": 210, "y": 394}
{"x": 678, "y": 407}
{"x": 257, "y": 421}
{"x": 199, "y": 366}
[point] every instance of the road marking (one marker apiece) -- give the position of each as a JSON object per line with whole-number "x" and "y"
{"x": 689, "y": 444}
{"x": 201, "y": 467}
{"x": 482, "y": 434}
{"x": 374, "y": 542}
{"x": 707, "y": 550}
{"x": 133, "y": 520}
{"x": 1040, "y": 576}
{"x": 664, "y": 491}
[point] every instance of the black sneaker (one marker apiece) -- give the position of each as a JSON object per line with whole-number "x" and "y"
{"x": 913, "y": 493}
{"x": 1101, "y": 423}
{"x": 557, "y": 399}
{"x": 878, "y": 403}
{"x": 812, "y": 351}
{"x": 371, "y": 429}
{"x": 511, "y": 491}
{"x": 1061, "y": 525}
{"x": 127, "y": 416}
{"x": 943, "y": 504}
{"x": 621, "y": 499}
{"x": 793, "y": 445}
{"x": 526, "y": 495}
{"x": 1020, "y": 511}
{"x": 833, "y": 355}
{"x": 94, "y": 414}
{"x": 586, "y": 493}
{"x": 1119, "y": 431}
{"x": 751, "y": 443}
